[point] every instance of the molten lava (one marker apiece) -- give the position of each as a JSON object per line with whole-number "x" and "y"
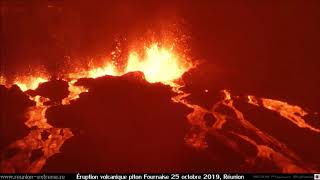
{"x": 291, "y": 112}
{"x": 165, "y": 65}
{"x": 94, "y": 72}
{"x": 30, "y": 83}
{"x": 158, "y": 65}
{"x": 74, "y": 92}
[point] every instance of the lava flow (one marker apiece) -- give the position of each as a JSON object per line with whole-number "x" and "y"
{"x": 159, "y": 65}
{"x": 164, "y": 65}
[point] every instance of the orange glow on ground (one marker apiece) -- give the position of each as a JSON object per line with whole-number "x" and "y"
{"x": 36, "y": 115}
{"x": 158, "y": 64}
{"x": 164, "y": 65}
{"x": 74, "y": 92}
{"x": 293, "y": 113}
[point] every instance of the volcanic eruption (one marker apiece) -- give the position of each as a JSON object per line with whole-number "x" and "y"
{"x": 139, "y": 116}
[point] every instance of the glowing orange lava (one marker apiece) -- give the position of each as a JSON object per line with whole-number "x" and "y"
{"x": 31, "y": 82}
{"x": 165, "y": 65}
{"x": 74, "y": 92}
{"x": 36, "y": 115}
{"x": 95, "y": 72}
{"x": 2, "y": 80}
{"x": 158, "y": 65}
{"x": 291, "y": 112}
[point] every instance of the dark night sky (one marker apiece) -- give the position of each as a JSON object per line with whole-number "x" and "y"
{"x": 256, "y": 47}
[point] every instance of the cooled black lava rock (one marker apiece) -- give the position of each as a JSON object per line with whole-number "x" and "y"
{"x": 55, "y": 90}
{"x": 13, "y": 105}
{"x": 123, "y": 124}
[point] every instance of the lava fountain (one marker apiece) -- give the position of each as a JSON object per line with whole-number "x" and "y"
{"x": 165, "y": 65}
{"x": 159, "y": 64}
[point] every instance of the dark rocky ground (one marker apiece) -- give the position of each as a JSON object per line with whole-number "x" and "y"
{"x": 13, "y": 104}
{"x": 125, "y": 124}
